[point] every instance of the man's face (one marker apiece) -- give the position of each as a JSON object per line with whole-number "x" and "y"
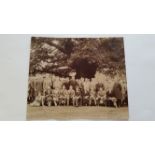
{"x": 54, "y": 76}
{"x": 77, "y": 89}
{"x": 91, "y": 90}
{"x": 67, "y": 79}
{"x": 71, "y": 87}
{"x": 58, "y": 79}
{"x": 82, "y": 79}
{"x": 101, "y": 89}
{"x": 73, "y": 77}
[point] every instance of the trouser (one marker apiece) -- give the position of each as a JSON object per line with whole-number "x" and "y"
{"x": 70, "y": 100}
{"x": 77, "y": 101}
{"x": 111, "y": 101}
{"x": 30, "y": 99}
{"x": 43, "y": 101}
{"x": 62, "y": 101}
{"x": 92, "y": 99}
{"x": 100, "y": 100}
{"x": 86, "y": 100}
{"x": 55, "y": 101}
{"x": 49, "y": 103}
{"x": 119, "y": 102}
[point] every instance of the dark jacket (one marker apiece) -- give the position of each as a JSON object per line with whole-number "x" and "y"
{"x": 117, "y": 91}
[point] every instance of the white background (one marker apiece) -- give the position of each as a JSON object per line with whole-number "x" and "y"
{"x": 140, "y": 64}
{"x": 78, "y": 17}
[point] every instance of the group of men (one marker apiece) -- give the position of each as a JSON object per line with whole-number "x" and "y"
{"x": 51, "y": 90}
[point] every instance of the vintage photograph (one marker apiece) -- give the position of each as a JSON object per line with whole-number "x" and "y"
{"x": 77, "y": 79}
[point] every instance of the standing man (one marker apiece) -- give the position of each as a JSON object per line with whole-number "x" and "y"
{"x": 86, "y": 97}
{"x": 87, "y": 85}
{"x": 55, "y": 93}
{"x": 48, "y": 97}
{"x": 99, "y": 84}
{"x": 66, "y": 83}
{"x": 117, "y": 92}
{"x": 73, "y": 82}
{"x": 71, "y": 93}
{"x": 81, "y": 87}
{"x": 92, "y": 97}
{"x": 38, "y": 100}
{"x": 57, "y": 83}
{"x": 47, "y": 83}
{"x": 101, "y": 96}
{"x": 63, "y": 96}
{"x": 77, "y": 98}
{"x": 31, "y": 93}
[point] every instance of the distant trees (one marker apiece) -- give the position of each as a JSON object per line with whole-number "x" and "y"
{"x": 85, "y": 55}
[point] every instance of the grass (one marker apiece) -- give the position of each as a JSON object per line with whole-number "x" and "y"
{"x": 76, "y": 113}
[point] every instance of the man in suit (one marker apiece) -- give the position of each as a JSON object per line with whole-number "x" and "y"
{"x": 101, "y": 96}
{"x": 63, "y": 96}
{"x": 77, "y": 98}
{"x": 92, "y": 97}
{"x": 117, "y": 92}
{"x": 71, "y": 94}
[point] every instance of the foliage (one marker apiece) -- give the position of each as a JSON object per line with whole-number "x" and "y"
{"x": 61, "y": 55}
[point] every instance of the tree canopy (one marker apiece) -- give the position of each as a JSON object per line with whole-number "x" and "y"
{"x": 61, "y": 55}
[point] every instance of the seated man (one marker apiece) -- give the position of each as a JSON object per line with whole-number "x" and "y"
{"x": 110, "y": 100}
{"x": 38, "y": 101}
{"x": 125, "y": 99}
{"x": 117, "y": 92}
{"x": 48, "y": 97}
{"x": 86, "y": 97}
{"x": 92, "y": 97}
{"x": 114, "y": 101}
{"x": 101, "y": 96}
{"x": 77, "y": 98}
{"x": 81, "y": 87}
{"x": 31, "y": 94}
{"x": 63, "y": 96}
{"x": 71, "y": 94}
{"x": 55, "y": 96}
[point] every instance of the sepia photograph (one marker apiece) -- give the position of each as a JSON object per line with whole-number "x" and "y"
{"x": 77, "y": 79}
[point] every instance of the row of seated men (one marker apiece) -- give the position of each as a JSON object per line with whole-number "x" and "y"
{"x": 78, "y": 96}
